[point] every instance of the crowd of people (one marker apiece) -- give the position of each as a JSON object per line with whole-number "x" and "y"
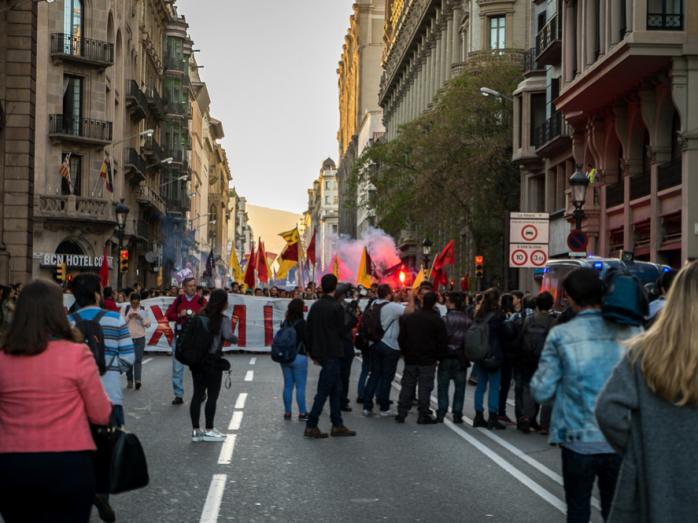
{"x": 620, "y": 398}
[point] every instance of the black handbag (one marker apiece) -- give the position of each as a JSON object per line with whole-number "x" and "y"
{"x": 120, "y": 463}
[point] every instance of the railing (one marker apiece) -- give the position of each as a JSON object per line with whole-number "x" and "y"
{"x": 551, "y": 129}
{"x": 175, "y": 63}
{"x": 178, "y": 108}
{"x": 143, "y": 229}
{"x": 148, "y": 196}
{"x": 665, "y": 21}
{"x": 71, "y": 207}
{"x": 78, "y": 127}
{"x": 640, "y": 186}
{"x": 615, "y": 194}
{"x": 669, "y": 175}
{"x": 135, "y": 160}
{"x": 152, "y": 149}
{"x": 547, "y": 35}
{"x": 155, "y": 102}
{"x": 178, "y": 205}
{"x": 82, "y": 49}
{"x": 175, "y": 153}
{"x": 135, "y": 98}
{"x": 530, "y": 62}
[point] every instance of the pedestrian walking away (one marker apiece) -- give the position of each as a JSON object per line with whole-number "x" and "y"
{"x": 295, "y": 372}
{"x": 325, "y": 328}
{"x": 187, "y": 304}
{"x": 137, "y": 322}
{"x": 50, "y": 391}
{"x": 350, "y": 320}
{"x": 648, "y": 412}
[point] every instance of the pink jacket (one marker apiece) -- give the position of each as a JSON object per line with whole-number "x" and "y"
{"x": 46, "y": 400}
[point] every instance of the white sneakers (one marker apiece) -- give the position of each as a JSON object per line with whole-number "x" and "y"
{"x": 387, "y": 414}
{"x": 211, "y": 435}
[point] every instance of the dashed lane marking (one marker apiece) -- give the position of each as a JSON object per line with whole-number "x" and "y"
{"x": 226, "y": 455}
{"x": 249, "y": 376}
{"x": 240, "y": 402}
{"x": 213, "y": 500}
{"x": 236, "y": 420}
{"x": 253, "y": 361}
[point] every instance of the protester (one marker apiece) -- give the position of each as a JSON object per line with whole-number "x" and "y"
{"x": 515, "y": 312}
{"x": 208, "y": 376}
{"x": 296, "y": 373}
{"x": 49, "y": 391}
{"x": 7, "y": 307}
{"x": 137, "y": 321}
{"x": 648, "y": 411}
{"x": 453, "y": 366}
{"x": 108, "y": 300}
{"x": 350, "y": 320}
{"x": 531, "y": 342}
{"x": 489, "y": 376}
{"x": 422, "y": 340}
{"x": 664, "y": 285}
{"x": 384, "y": 354}
{"x": 324, "y": 330}
{"x": 577, "y": 360}
{"x": 187, "y": 304}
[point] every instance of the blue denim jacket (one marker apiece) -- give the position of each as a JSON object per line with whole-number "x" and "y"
{"x": 577, "y": 360}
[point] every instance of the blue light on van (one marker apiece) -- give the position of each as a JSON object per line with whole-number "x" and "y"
{"x": 598, "y": 265}
{"x": 666, "y": 269}
{"x": 546, "y": 270}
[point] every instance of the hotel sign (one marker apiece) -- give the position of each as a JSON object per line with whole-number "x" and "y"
{"x": 74, "y": 261}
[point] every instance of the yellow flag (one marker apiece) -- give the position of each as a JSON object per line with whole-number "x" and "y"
{"x": 335, "y": 266}
{"x": 235, "y": 269}
{"x": 284, "y": 267}
{"x": 291, "y": 236}
{"x": 160, "y": 278}
{"x": 363, "y": 277}
{"x": 419, "y": 279}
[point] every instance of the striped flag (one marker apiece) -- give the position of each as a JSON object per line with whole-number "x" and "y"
{"x": 64, "y": 171}
{"x": 105, "y": 174}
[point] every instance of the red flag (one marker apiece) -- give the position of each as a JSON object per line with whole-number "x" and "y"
{"x": 104, "y": 269}
{"x": 310, "y": 254}
{"x": 262, "y": 267}
{"x": 250, "y": 279}
{"x": 445, "y": 257}
{"x": 290, "y": 252}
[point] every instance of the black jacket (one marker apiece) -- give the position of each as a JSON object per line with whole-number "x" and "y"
{"x": 299, "y": 327}
{"x": 422, "y": 337}
{"x": 457, "y": 324}
{"x": 325, "y": 328}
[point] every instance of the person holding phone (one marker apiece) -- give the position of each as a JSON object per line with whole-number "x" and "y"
{"x": 137, "y": 321}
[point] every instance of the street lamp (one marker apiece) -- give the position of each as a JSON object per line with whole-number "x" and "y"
{"x": 427, "y": 244}
{"x": 486, "y": 91}
{"x": 166, "y": 161}
{"x": 121, "y": 214}
{"x": 579, "y": 182}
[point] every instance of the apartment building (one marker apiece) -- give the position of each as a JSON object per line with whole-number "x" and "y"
{"x": 322, "y": 214}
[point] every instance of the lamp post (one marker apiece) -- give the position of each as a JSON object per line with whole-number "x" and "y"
{"x": 427, "y": 244}
{"x": 579, "y": 182}
{"x": 486, "y": 91}
{"x": 121, "y": 214}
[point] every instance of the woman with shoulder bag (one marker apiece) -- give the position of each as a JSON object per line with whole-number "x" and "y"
{"x": 296, "y": 372}
{"x": 50, "y": 391}
{"x": 208, "y": 376}
{"x": 648, "y": 412}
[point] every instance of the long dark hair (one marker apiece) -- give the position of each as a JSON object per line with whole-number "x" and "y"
{"x": 506, "y": 302}
{"x": 295, "y": 310}
{"x": 217, "y": 303}
{"x": 39, "y": 316}
{"x": 489, "y": 303}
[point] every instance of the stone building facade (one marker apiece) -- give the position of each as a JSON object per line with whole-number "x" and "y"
{"x": 322, "y": 214}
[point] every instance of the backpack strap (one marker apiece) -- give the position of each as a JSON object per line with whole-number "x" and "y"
{"x": 128, "y": 308}
{"x": 101, "y": 314}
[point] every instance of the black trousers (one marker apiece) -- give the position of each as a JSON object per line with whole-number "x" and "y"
{"x": 345, "y": 370}
{"x": 412, "y": 376}
{"x": 47, "y": 487}
{"x": 207, "y": 381}
{"x": 505, "y": 385}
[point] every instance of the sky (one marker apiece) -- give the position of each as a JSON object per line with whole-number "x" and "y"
{"x": 270, "y": 68}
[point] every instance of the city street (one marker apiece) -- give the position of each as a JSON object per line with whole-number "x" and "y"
{"x": 267, "y": 471}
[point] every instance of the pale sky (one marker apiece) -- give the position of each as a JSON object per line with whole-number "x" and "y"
{"x": 270, "y": 67}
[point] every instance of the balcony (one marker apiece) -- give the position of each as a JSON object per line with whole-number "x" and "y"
{"x": 143, "y": 229}
{"x": 149, "y": 198}
{"x": 136, "y": 101}
{"x": 640, "y": 186}
{"x": 665, "y": 21}
{"x": 615, "y": 195}
{"x": 549, "y": 43}
{"x": 181, "y": 109}
{"x": 177, "y": 154}
{"x": 478, "y": 59}
{"x": 156, "y": 104}
{"x": 82, "y": 50}
{"x": 152, "y": 150}
{"x": 175, "y": 64}
{"x": 71, "y": 208}
{"x": 551, "y": 137}
{"x": 669, "y": 175}
{"x": 79, "y": 130}
{"x": 178, "y": 205}
{"x": 531, "y": 65}
{"x": 134, "y": 166}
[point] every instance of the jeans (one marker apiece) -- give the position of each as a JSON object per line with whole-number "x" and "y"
{"x": 207, "y": 381}
{"x": 451, "y": 370}
{"x": 526, "y": 406}
{"x": 579, "y": 472}
{"x": 295, "y": 374}
{"x": 383, "y": 365}
{"x": 363, "y": 376}
{"x": 483, "y": 379}
{"x": 139, "y": 348}
{"x": 177, "y": 373}
{"x": 329, "y": 385}
{"x": 506, "y": 372}
{"x": 47, "y": 486}
{"x": 412, "y": 376}
{"x": 117, "y": 416}
{"x": 346, "y": 363}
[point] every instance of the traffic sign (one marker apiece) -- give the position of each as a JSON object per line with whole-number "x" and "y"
{"x": 578, "y": 241}
{"x": 527, "y": 256}
{"x": 529, "y": 227}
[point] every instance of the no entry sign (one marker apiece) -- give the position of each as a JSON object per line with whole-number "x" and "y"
{"x": 529, "y": 234}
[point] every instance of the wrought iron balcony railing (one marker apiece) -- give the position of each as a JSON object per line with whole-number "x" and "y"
{"x": 76, "y": 128}
{"x": 80, "y": 49}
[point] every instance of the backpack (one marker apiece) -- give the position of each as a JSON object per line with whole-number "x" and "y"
{"x": 477, "y": 339}
{"x": 533, "y": 338}
{"x": 625, "y": 300}
{"x": 285, "y": 345}
{"x": 94, "y": 337}
{"x": 371, "y": 325}
{"x": 194, "y": 342}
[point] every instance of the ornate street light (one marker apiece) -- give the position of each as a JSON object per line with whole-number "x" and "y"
{"x": 579, "y": 182}
{"x": 427, "y": 244}
{"x": 121, "y": 211}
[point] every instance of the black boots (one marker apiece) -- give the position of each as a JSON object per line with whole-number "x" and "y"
{"x": 494, "y": 423}
{"x": 479, "y": 420}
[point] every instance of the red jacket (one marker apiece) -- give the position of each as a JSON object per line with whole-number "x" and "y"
{"x": 111, "y": 305}
{"x": 183, "y": 303}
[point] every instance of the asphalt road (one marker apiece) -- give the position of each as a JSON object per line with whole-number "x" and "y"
{"x": 389, "y": 472}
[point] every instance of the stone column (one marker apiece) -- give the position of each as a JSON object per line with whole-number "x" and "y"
{"x": 569, "y": 42}
{"x": 455, "y": 34}
{"x": 616, "y": 11}
{"x": 449, "y": 44}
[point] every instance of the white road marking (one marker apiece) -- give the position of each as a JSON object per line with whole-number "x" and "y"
{"x": 253, "y": 361}
{"x": 240, "y": 402}
{"x": 147, "y": 360}
{"x": 213, "y": 500}
{"x": 236, "y": 420}
{"x": 249, "y": 376}
{"x": 226, "y": 455}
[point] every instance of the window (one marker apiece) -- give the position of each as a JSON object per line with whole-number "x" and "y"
{"x": 334, "y": 229}
{"x": 328, "y": 185}
{"x": 72, "y": 104}
{"x": 72, "y": 26}
{"x": 72, "y": 186}
{"x": 665, "y": 15}
{"x": 537, "y": 117}
{"x": 327, "y": 200}
{"x": 497, "y": 32}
